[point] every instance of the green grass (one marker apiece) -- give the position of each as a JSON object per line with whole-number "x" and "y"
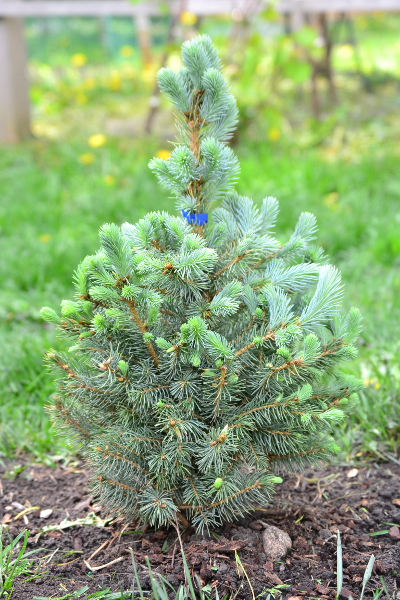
{"x": 47, "y": 192}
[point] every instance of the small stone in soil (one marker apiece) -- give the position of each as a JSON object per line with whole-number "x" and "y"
{"x": 276, "y": 542}
{"x": 324, "y": 534}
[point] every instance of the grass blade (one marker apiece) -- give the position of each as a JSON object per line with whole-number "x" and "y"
{"x": 339, "y": 569}
{"x": 136, "y": 577}
{"x": 367, "y": 574}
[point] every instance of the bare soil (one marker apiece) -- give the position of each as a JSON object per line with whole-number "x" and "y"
{"x": 311, "y": 508}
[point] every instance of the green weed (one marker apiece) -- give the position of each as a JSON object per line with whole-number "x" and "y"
{"x": 14, "y": 561}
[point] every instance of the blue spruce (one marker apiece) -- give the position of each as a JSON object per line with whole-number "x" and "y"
{"x": 203, "y": 354}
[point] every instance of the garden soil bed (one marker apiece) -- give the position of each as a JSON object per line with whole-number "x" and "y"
{"x": 310, "y": 508}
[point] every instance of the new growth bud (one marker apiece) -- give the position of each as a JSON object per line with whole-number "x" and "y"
{"x": 218, "y": 483}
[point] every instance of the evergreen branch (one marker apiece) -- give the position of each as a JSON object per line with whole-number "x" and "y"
{"x": 58, "y": 407}
{"x": 249, "y": 326}
{"x": 234, "y": 261}
{"x": 220, "y": 389}
{"x": 296, "y": 362}
{"x": 269, "y": 336}
{"x": 118, "y": 456}
{"x": 157, "y": 245}
{"x": 257, "y": 485}
{"x": 254, "y": 452}
{"x": 72, "y": 374}
{"x": 258, "y": 264}
{"x": 167, "y": 312}
{"x": 284, "y": 433}
{"x": 143, "y": 330}
{"x": 113, "y": 482}
{"x": 257, "y": 408}
{"x": 295, "y": 454}
{"x": 93, "y": 301}
{"x": 153, "y": 389}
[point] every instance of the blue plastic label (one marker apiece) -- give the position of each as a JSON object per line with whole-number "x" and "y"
{"x": 192, "y": 218}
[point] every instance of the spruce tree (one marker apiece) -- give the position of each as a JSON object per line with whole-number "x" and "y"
{"x": 203, "y": 349}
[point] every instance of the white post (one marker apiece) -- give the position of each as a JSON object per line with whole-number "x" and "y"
{"x": 297, "y": 20}
{"x": 14, "y": 91}
{"x": 143, "y": 32}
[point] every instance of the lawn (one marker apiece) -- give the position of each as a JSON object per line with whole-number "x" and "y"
{"x": 345, "y": 170}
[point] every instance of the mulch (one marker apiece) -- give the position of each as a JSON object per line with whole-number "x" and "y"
{"x": 311, "y": 508}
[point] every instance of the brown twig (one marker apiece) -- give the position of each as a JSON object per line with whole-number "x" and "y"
{"x": 270, "y": 335}
{"x": 98, "y": 549}
{"x": 99, "y": 568}
{"x": 173, "y": 555}
{"x": 142, "y": 330}
{"x": 229, "y": 265}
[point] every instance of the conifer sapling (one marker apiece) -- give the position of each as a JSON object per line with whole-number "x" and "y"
{"x": 203, "y": 349}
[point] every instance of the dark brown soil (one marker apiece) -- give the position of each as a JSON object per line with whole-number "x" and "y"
{"x": 310, "y": 508}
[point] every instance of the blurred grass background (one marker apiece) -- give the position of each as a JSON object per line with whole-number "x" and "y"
{"x": 60, "y": 186}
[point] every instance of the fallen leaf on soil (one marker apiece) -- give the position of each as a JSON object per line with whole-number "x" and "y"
{"x": 322, "y": 589}
{"x": 269, "y": 566}
{"x": 84, "y": 503}
{"x": 273, "y": 578}
{"x": 296, "y": 598}
{"x": 345, "y": 593}
{"x": 45, "y": 514}
{"x": 352, "y": 473}
{"x": 380, "y": 567}
{"x": 232, "y": 546}
{"x": 255, "y": 526}
{"x": 396, "y": 501}
{"x": 6, "y": 518}
{"x": 394, "y": 533}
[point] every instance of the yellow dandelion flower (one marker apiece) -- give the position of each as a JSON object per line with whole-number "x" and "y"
{"x": 109, "y": 179}
{"x": 79, "y": 59}
{"x": 188, "y": 18}
{"x": 346, "y": 51}
{"x": 97, "y": 140}
{"x": 81, "y": 99}
{"x": 147, "y": 75}
{"x": 164, "y": 154}
{"x": 126, "y": 51}
{"x": 45, "y": 238}
{"x": 377, "y": 385}
{"x": 115, "y": 81}
{"x": 274, "y": 134}
{"x": 87, "y": 158}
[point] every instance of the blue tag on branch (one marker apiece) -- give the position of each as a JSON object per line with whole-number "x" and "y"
{"x": 192, "y": 218}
